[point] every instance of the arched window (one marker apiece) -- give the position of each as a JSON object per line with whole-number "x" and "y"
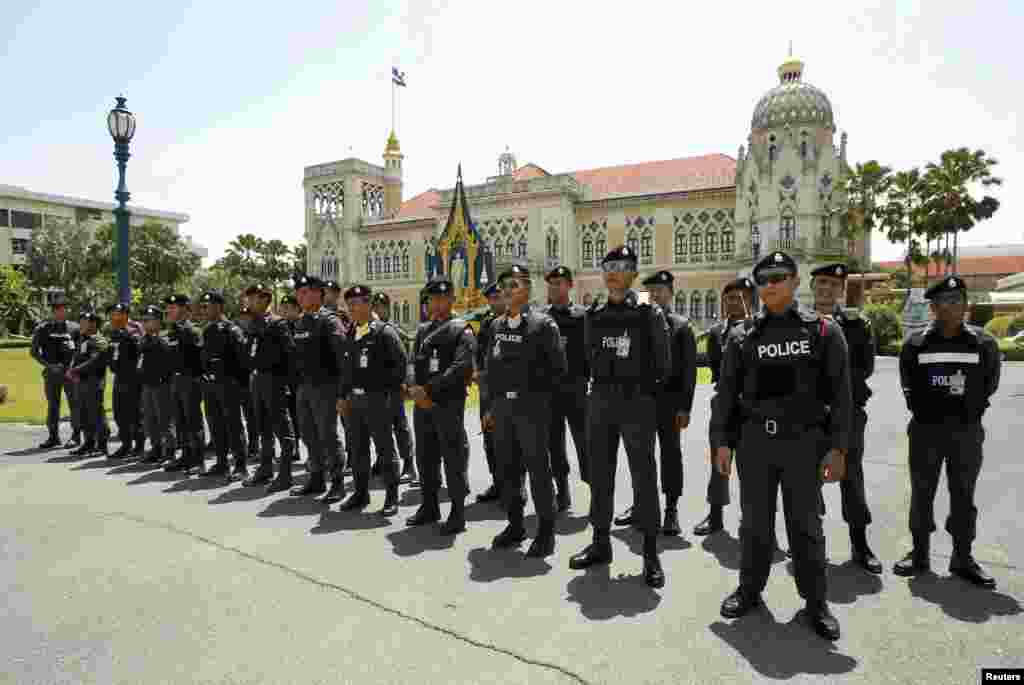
{"x": 377, "y": 266}
{"x": 711, "y": 246}
{"x": 647, "y": 247}
{"x": 499, "y": 249}
{"x": 552, "y": 245}
{"x": 696, "y": 305}
{"x": 728, "y": 241}
{"x": 787, "y": 231}
{"x": 633, "y": 241}
{"x": 369, "y": 268}
{"x": 406, "y": 312}
{"x": 522, "y": 246}
{"x": 387, "y": 266}
{"x": 510, "y": 247}
{"x": 405, "y": 264}
{"x": 696, "y": 246}
{"x": 680, "y": 246}
{"x": 588, "y": 251}
{"x": 711, "y": 305}
{"x": 680, "y": 303}
{"x": 600, "y": 247}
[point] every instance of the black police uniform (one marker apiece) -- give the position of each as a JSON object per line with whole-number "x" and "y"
{"x": 89, "y": 367}
{"x": 224, "y": 372}
{"x": 341, "y": 465}
{"x": 569, "y": 398}
{"x": 184, "y": 339}
{"x": 400, "y": 420}
{"x": 53, "y": 346}
{"x": 291, "y": 385}
{"x": 124, "y": 356}
{"x": 480, "y": 359}
{"x": 154, "y": 373}
{"x": 320, "y": 350}
{"x": 250, "y": 437}
{"x": 526, "y": 360}
{"x": 442, "y": 364}
{"x": 781, "y": 382}
{"x": 270, "y": 349}
{"x": 373, "y": 379}
{"x": 948, "y": 384}
{"x": 628, "y": 350}
{"x": 718, "y": 337}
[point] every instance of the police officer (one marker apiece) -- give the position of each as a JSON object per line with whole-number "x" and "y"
{"x": 497, "y": 307}
{"x": 948, "y": 372}
{"x": 244, "y": 322}
{"x": 829, "y": 283}
{"x": 154, "y": 372}
{"x": 333, "y": 305}
{"x": 53, "y": 346}
{"x": 675, "y": 401}
{"x": 785, "y": 379}
{"x": 124, "y": 355}
{"x": 270, "y": 348}
{"x": 292, "y": 312}
{"x": 89, "y": 372}
{"x": 569, "y": 400}
{"x": 373, "y": 378}
{"x": 442, "y": 368}
{"x": 183, "y": 339}
{"x": 737, "y": 299}
{"x": 628, "y": 352}
{"x": 403, "y": 437}
{"x": 224, "y": 371}
{"x": 320, "y": 350}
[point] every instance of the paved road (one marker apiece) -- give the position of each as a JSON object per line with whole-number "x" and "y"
{"x": 122, "y": 574}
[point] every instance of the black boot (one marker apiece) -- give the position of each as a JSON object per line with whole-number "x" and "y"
{"x": 154, "y": 456}
{"x": 711, "y": 524}
{"x": 390, "y": 507}
{"x": 916, "y": 560}
{"x": 51, "y": 442}
{"x": 427, "y": 513}
{"x": 75, "y": 440}
{"x": 409, "y": 474}
{"x": 336, "y": 492}
{"x": 220, "y": 469}
{"x": 240, "y": 471}
{"x": 597, "y": 552}
{"x": 124, "y": 451}
{"x": 360, "y": 498}
{"x": 654, "y": 575}
{"x": 315, "y": 485}
{"x": 456, "y": 522}
{"x": 671, "y": 524}
{"x": 87, "y": 448}
{"x": 182, "y": 463}
{"x": 514, "y": 532}
{"x": 862, "y": 554}
{"x": 739, "y": 603}
{"x": 544, "y": 544}
{"x": 284, "y": 472}
{"x": 824, "y": 623}
{"x": 562, "y": 498}
{"x": 260, "y": 476}
{"x": 626, "y": 518}
{"x": 101, "y": 449}
{"x": 962, "y": 564}
{"x": 489, "y": 495}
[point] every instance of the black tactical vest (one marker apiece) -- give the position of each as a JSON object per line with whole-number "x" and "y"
{"x": 570, "y": 322}
{"x": 124, "y": 353}
{"x": 438, "y": 344}
{"x": 314, "y": 357}
{"x": 949, "y": 382}
{"x": 369, "y": 360}
{"x": 621, "y": 346}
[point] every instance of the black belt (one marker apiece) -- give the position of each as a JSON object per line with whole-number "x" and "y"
{"x": 776, "y": 427}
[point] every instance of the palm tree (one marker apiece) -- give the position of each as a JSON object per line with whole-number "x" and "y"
{"x": 903, "y": 214}
{"x": 241, "y": 256}
{"x": 862, "y": 187}
{"x": 274, "y": 264}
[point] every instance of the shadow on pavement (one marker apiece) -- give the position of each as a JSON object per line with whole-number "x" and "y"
{"x": 160, "y": 476}
{"x": 848, "y": 581}
{"x": 489, "y": 565}
{"x": 198, "y": 483}
{"x": 412, "y": 496}
{"x": 103, "y": 463}
{"x": 961, "y": 600}
{"x": 30, "y": 451}
{"x": 414, "y": 540}
{"x": 294, "y": 506}
{"x": 65, "y": 459}
{"x": 782, "y": 650}
{"x": 132, "y": 467}
{"x": 242, "y": 494}
{"x": 602, "y": 597}
{"x": 335, "y": 521}
{"x": 635, "y": 540}
{"x": 725, "y": 547}
{"x": 485, "y": 511}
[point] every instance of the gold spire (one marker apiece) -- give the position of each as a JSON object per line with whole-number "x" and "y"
{"x": 392, "y": 146}
{"x": 791, "y": 70}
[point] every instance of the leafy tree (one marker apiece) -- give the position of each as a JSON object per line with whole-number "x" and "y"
{"x": 885, "y": 323}
{"x": 15, "y": 300}
{"x": 242, "y": 257}
{"x": 275, "y": 262}
{"x": 862, "y": 187}
{"x": 903, "y": 215}
{"x": 300, "y": 257}
{"x": 57, "y": 259}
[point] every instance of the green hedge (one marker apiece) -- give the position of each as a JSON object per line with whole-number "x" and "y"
{"x": 1011, "y": 351}
{"x": 999, "y": 327}
{"x": 15, "y": 343}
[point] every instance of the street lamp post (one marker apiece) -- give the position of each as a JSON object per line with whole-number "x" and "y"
{"x": 121, "y": 125}
{"x": 755, "y": 245}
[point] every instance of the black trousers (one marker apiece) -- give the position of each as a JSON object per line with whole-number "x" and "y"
{"x": 187, "y": 413}
{"x": 490, "y": 451}
{"x": 270, "y": 418}
{"x": 960, "y": 447}
{"x": 670, "y": 450}
{"x": 569, "y": 405}
{"x": 224, "y": 410}
{"x": 92, "y": 412}
{"x": 54, "y": 384}
{"x": 318, "y": 416}
{"x": 441, "y": 440}
{"x": 615, "y": 413}
{"x": 400, "y": 425}
{"x": 765, "y": 463}
{"x": 127, "y": 400}
{"x": 522, "y": 431}
{"x": 156, "y": 413}
{"x": 293, "y": 411}
{"x": 249, "y": 437}
{"x": 855, "y": 503}
{"x": 372, "y": 417}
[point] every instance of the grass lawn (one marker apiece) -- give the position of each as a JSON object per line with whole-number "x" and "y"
{"x": 27, "y": 404}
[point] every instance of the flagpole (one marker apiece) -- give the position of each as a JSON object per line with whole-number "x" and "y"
{"x": 393, "y": 86}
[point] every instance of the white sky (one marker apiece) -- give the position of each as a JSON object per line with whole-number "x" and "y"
{"x": 234, "y": 99}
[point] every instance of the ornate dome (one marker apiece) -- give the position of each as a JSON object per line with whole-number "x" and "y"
{"x": 792, "y": 102}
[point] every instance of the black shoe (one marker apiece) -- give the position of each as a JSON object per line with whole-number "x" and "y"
{"x": 455, "y": 524}
{"x": 335, "y": 493}
{"x": 357, "y": 500}
{"x": 739, "y": 603}
{"x": 154, "y": 456}
{"x": 122, "y": 452}
{"x": 866, "y": 559}
{"x": 654, "y": 576}
{"x": 50, "y": 444}
{"x": 423, "y": 516}
{"x": 563, "y": 500}
{"x": 711, "y": 524}
{"x": 594, "y": 554}
{"x": 409, "y": 474}
{"x": 625, "y": 518}
{"x": 101, "y": 451}
{"x": 375, "y": 469}
{"x": 220, "y": 468}
{"x": 544, "y": 544}
{"x": 489, "y": 495}
{"x": 824, "y": 623}
{"x": 912, "y": 564}
{"x": 84, "y": 451}
{"x": 671, "y": 524}
{"x": 390, "y": 507}
{"x": 968, "y": 569}
{"x": 72, "y": 443}
{"x": 315, "y": 485}
{"x": 240, "y": 472}
{"x": 260, "y": 476}
{"x": 182, "y": 463}
{"x": 510, "y": 537}
{"x": 279, "y": 484}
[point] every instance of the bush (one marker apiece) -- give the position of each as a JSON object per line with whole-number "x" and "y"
{"x": 999, "y": 327}
{"x": 981, "y": 314}
{"x": 1016, "y": 325}
{"x": 885, "y": 323}
{"x": 15, "y": 343}
{"x": 1012, "y": 352}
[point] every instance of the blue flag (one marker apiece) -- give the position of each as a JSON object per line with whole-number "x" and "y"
{"x": 397, "y": 77}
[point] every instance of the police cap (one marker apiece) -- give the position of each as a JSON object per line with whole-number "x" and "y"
{"x": 151, "y": 311}
{"x": 289, "y": 299}
{"x": 358, "y": 290}
{"x": 560, "y": 272}
{"x": 835, "y": 270}
{"x": 944, "y": 290}
{"x": 739, "y": 284}
{"x": 775, "y": 263}
{"x": 57, "y": 299}
{"x": 380, "y": 298}
{"x": 178, "y": 299}
{"x": 89, "y": 315}
{"x": 620, "y": 253}
{"x": 258, "y": 289}
{"x": 660, "y": 278}
{"x": 307, "y": 281}
{"x": 332, "y": 285}
{"x": 515, "y": 271}
{"x": 119, "y": 307}
{"x": 212, "y": 297}
{"x": 491, "y": 290}
{"x": 440, "y": 286}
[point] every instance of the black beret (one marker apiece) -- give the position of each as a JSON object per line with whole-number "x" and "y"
{"x": 515, "y": 271}
{"x": 258, "y": 289}
{"x": 212, "y": 297}
{"x": 559, "y": 272}
{"x": 660, "y": 278}
{"x": 177, "y": 299}
{"x": 308, "y": 282}
{"x": 381, "y": 298}
{"x": 440, "y": 286}
{"x": 739, "y": 284}
{"x": 56, "y": 298}
{"x": 835, "y": 270}
{"x": 89, "y": 315}
{"x": 948, "y": 284}
{"x": 622, "y": 252}
{"x": 491, "y": 290}
{"x": 773, "y": 261}
{"x": 331, "y": 285}
{"x": 151, "y": 311}
{"x": 119, "y": 307}
{"x": 358, "y": 290}
{"x": 289, "y": 299}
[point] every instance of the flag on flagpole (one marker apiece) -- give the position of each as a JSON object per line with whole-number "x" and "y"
{"x": 398, "y": 77}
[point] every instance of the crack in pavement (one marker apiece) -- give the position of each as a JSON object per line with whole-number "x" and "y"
{"x": 352, "y": 594}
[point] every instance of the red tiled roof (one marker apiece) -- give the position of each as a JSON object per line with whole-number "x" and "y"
{"x": 529, "y": 171}
{"x": 971, "y": 266}
{"x": 668, "y": 176}
{"x": 418, "y": 206}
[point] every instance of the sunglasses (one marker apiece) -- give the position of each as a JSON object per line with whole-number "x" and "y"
{"x": 358, "y": 300}
{"x": 619, "y": 266}
{"x": 763, "y": 280}
{"x": 948, "y": 298}
{"x": 509, "y": 284}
